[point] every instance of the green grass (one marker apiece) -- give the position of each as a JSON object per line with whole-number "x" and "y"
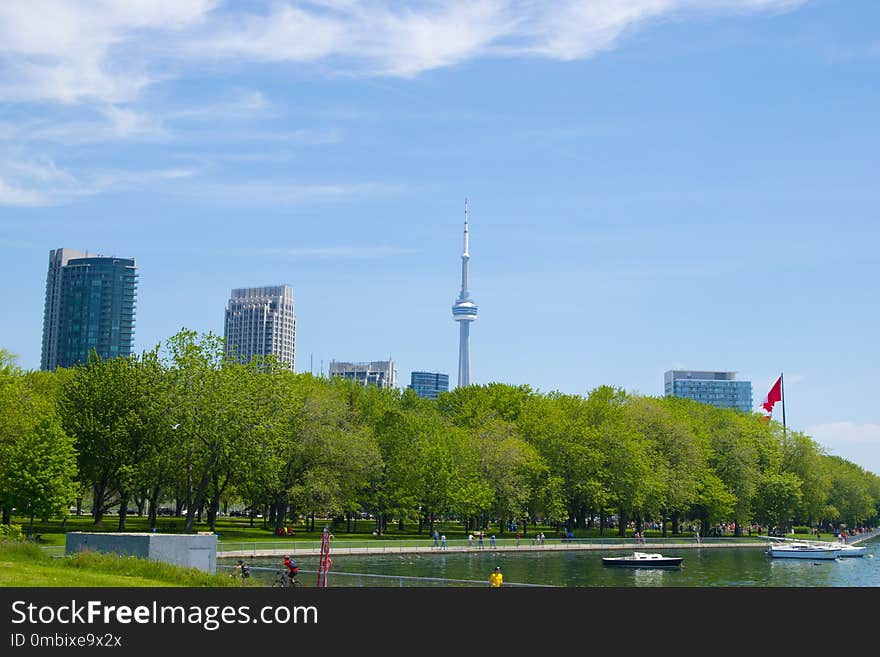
{"x": 26, "y": 564}
{"x": 238, "y": 530}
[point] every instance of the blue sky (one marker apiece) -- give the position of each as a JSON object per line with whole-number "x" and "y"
{"x": 652, "y": 184}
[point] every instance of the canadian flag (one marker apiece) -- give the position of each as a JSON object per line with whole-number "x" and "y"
{"x": 773, "y": 396}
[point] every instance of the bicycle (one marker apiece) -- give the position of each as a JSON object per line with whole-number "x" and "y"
{"x": 285, "y": 582}
{"x": 242, "y": 571}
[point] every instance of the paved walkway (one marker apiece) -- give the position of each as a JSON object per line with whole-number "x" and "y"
{"x": 861, "y": 538}
{"x": 547, "y": 547}
{"x": 757, "y": 542}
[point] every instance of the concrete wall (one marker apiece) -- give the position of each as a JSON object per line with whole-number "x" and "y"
{"x": 188, "y": 550}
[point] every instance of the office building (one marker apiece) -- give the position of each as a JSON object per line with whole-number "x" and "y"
{"x": 715, "y": 388}
{"x": 89, "y": 307}
{"x": 260, "y": 322}
{"x": 378, "y": 372}
{"x": 429, "y": 384}
{"x": 464, "y": 311}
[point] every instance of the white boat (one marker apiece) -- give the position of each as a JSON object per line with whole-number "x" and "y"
{"x": 851, "y": 550}
{"x": 643, "y": 560}
{"x": 804, "y": 551}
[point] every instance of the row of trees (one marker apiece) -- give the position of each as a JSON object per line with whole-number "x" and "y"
{"x": 182, "y": 424}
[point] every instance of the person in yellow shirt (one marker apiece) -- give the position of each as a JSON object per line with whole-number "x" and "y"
{"x": 495, "y": 578}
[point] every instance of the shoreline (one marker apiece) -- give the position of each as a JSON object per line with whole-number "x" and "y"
{"x": 757, "y": 542}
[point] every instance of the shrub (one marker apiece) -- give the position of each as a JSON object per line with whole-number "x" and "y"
{"x": 802, "y": 530}
{"x": 11, "y": 532}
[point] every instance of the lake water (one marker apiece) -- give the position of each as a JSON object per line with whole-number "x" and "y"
{"x": 731, "y": 567}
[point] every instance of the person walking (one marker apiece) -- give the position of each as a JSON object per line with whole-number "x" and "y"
{"x": 443, "y": 541}
{"x": 492, "y": 541}
{"x": 495, "y": 578}
{"x": 480, "y": 543}
{"x": 436, "y": 539}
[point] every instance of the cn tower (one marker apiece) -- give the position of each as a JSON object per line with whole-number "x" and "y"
{"x": 464, "y": 311}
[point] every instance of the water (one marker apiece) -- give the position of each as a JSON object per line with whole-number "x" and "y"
{"x": 731, "y": 567}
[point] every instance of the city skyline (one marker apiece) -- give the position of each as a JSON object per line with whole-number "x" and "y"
{"x": 678, "y": 186}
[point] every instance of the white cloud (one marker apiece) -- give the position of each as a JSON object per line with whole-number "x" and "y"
{"x": 859, "y": 443}
{"x": 91, "y": 61}
{"x": 66, "y": 51}
{"x": 262, "y": 193}
{"x": 334, "y": 252}
{"x": 108, "y": 52}
{"x": 42, "y": 183}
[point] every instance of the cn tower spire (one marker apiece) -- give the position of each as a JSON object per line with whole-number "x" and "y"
{"x": 465, "y": 256}
{"x": 464, "y": 311}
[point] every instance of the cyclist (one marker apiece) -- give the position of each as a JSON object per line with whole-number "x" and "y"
{"x": 292, "y": 571}
{"x": 242, "y": 570}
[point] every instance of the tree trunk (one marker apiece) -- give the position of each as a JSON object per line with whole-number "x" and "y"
{"x": 279, "y": 510}
{"x": 100, "y": 490}
{"x": 123, "y": 510}
{"x": 196, "y": 504}
{"x": 154, "y": 508}
{"x": 621, "y": 523}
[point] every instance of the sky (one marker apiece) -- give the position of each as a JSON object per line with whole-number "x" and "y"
{"x": 651, "y": 184}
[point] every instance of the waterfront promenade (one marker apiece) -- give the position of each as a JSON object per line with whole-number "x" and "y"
{"x": 313, "y": 548}
{"x": 405, "y": 547}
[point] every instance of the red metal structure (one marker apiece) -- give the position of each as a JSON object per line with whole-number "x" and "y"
{"x": 324, "y": 563}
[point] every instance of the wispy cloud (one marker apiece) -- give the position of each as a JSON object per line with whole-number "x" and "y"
{"x": 858, "y": 443}
{"x": 263, "y": 193}
{"x": 846, "y": 433}
{"x": 71, "y": 52}
{"x": 105, "y": 123}
{"x": 86, "y": 67}
{"x": 42, "y": 183}
{"x": 109, "y": 52}
{"x": 331, "y": 252}
{"x": 336, "y": 252}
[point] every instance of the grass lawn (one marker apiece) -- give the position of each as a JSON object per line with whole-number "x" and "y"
{"x": 26, "y": 564}
{"x": 239, "y": 530}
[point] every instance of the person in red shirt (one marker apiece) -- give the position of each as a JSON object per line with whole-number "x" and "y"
{"x": 292, "y": 570}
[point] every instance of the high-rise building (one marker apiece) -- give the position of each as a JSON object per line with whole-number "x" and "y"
{"x": 464, "y": 311}
{"x": 90, "y": 306}
{"x": 715, "y": 388}
{"x": 260, "y": 322}
{"x": 429, "y": 384}
{"x": 377, "y": 372}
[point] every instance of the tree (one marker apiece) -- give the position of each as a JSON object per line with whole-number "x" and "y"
{"x": 40, "y": 475}
{"x": 778, "y": 497}
{"x": 103, "y": 407}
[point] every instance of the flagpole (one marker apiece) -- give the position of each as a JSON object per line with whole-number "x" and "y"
{"x": 782, "y": 397}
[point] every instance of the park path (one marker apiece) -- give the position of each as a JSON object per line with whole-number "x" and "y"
{"x": 291, "y": 549}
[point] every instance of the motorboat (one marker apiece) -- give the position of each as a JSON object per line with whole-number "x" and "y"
{"x": 804, "y": 551}
{"x": 643, "y": 560}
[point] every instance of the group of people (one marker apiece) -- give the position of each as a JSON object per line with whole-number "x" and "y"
{"x": 481, "y": 540}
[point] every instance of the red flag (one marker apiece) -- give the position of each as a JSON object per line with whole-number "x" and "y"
{"x": 773, "y": 396}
